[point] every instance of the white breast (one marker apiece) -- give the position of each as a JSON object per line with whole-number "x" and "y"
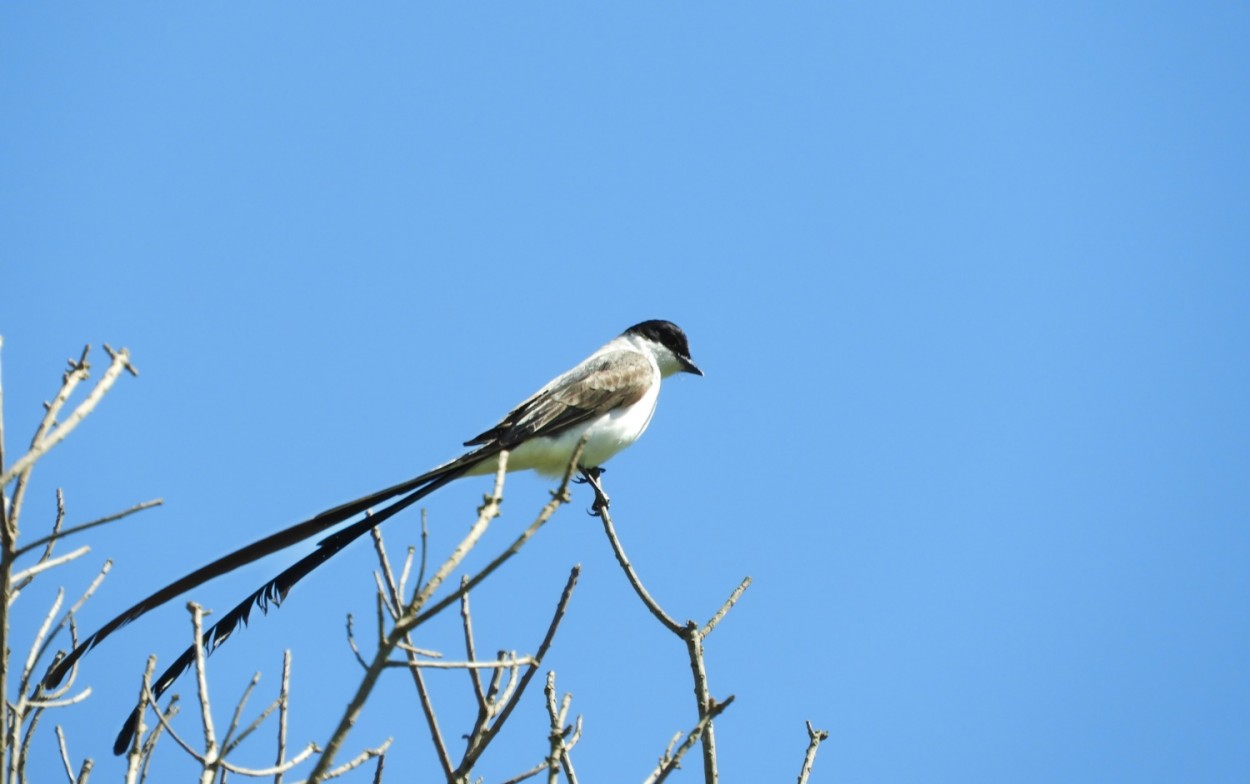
{"x": 609, "y": 434}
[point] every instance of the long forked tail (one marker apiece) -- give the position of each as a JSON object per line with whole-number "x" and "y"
{"x": 273, "y": 593}
{"x": 417, "y": 488}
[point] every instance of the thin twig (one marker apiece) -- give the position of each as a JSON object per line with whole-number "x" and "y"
{"x": 407, "y": 569}
{"x": 284, "y": 705}
{"x": 425, "y": 549}
{"x": 562, "y": 737}
{"x": 77, "y": 529}
{"x": 32, "y": 656}
{"x": 134, "y": 756}
{"x": 508, "y": 662}
{"x": 690, "y": 633}
{"x": 231, "y": 740}
{"x": 431, "y": 719}
{"x": 121, "y": 361}
{"x": 534, "y": 771}
{"x": 57, "y": 522}
{"x": 201, "y": 679}
{"x": 558, "y": 498}
{"x": 64, "y": 748}
{"x": 171, "y": 710}
{"x": 669, "y": 763}
{"x": 77, "y": 373}
{"x": 359, "y": 759}
{"x": 727, "y": 606}
{"x": 555, "y": 738}
{"x": 274, "y": 770}
{"x": 414, "y": 615}
{"x": 814, "y": 738}
{"x": 377, "y": 772}
{"x": 474, "y": 751}
{"x": 466, "y": 617}
{"x": 67, "y": 620}
{"x": 163, "y": 720}
{"x": 395, "y": 588}
{"x": 42, "y": 566}
{"x": 351, "y": 641}
{"x": 651, "y": 604}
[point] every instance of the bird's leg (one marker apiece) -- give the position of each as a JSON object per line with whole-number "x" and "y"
{"x": 590, "y": 476}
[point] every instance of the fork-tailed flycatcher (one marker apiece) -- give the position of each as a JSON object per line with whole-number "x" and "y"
{"x": 609, "y": 398}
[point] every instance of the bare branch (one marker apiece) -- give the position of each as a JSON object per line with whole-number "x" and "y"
{"x": 508, "y": 662}
{"x": 33, "y": 655}
{"x": 394, "y": 599}
{"x": 561, "y": 737}
{"x": 690, "y": 633}
{"x": 474, "y": 750}
{"x": 77, "y": 698}
{"x": 134, "y": 755}
{"x": 164, "y": 721}
{"x": 230, "y": 741}
{"x": 431, "y": 719}
{"x": 284, "y": 705}
{"x": 534, "y": 771}
{"x": 64, "y": 749}
{"x": 669, "y": 763}
{"x": 42, "y": 566}
{"x": 377, "y": 772}
{"x": 651, "y": 604}
{"x": 78, "y": 372}
{"x": 275, "y": 770}
{"x": 121, "y": 361}
{"x": 351, "y": 642}
{"x": 77, "y": 529}
{"x": 425, "y": 549}
{"x": 57, "y": 522}
{"x": 201, "y": 680}
{"x": 727, "y": 606}
{"x": 359, "y": 759}
{"x": 488, "y": 511}
{"x": 466, "y": 618}
{"x": 68, "y": 620}
{"x": 559, "y": 497}
{"x": 407, "y": 570}
{"x": 171, "y": 710}
{"x": 814, "y": 737}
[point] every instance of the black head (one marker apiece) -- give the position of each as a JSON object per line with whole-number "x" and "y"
{"x": 669, "y": 335}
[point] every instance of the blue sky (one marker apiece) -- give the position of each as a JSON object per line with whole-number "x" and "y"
{"x": 970, "y": 285}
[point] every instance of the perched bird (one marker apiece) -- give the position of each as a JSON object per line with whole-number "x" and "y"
{"x": 608, "y": 397}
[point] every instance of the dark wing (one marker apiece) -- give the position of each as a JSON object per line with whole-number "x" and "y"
{"x": 598, "y": 385}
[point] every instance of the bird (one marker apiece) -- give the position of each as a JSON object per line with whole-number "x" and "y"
{"x": 608, "y": 399}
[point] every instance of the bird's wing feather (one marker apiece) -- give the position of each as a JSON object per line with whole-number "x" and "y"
{"x": 607, "y": 381}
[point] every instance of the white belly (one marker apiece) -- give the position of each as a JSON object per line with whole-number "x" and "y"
{"x": 609, "y": 434}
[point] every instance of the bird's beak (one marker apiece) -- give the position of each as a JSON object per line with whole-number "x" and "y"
{"x": 689, "y": 367}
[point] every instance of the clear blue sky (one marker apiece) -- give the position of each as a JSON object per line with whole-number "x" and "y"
{"x": 970, "y": 285}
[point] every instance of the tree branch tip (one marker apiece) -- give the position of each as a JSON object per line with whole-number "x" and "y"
{"x": 194, "y": 607}
{"x": 124, "y": 354}
{"x": 81, "y": 362}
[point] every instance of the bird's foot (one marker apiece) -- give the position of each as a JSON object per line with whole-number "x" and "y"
{"x": 590, "y": 476}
